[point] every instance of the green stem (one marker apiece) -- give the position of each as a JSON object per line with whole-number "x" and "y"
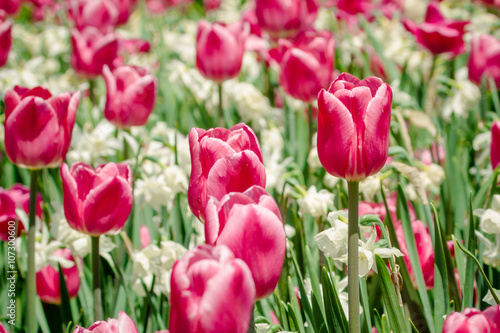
{"x": 92, "y": 95}
{"x": 251, "y": 326}
{"x": 352, "y": 256}
{"x": 311, "y": 126}
{"x": 96, "y": 278}
{"x": 32, "y": 324}
{"x": 220, "y": 116}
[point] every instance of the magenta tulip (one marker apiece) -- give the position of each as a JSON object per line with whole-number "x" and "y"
{"x": 222, "y": 161}
{"x": 100, "y": 14}
{"x": 211, "y": 4}
{"x": 130, "y": 97}
{"x": 495, "y": 145}
{"x": 471, "y": 320}
{"x": 437, "y": 34}
{"x": 121, "y": 325}
{"x": 38, "y": 126}
{"x": 10, "y": 7}
{"x": 219, "y": 49}
{"x": 15, "y": 197}
{"x": 5, "y": 39}
{"x": 97, "y": 202}
{"x": 485, "y": 59}
{"x": 48, "y": 285}
{"x": 212, "y": 291}
{"x": 92, "y": 50}
{"x": 307, "y": 64}
{"x": 493, "y": 314}
{"x": 353, "y": 126}
{"x": 286, "y": 18}
{"x": 249, "y": 223}
{"x": 125, "y": 8}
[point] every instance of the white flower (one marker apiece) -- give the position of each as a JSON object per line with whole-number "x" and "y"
{"x": 490, "y": 218}
{"x": 315, "y": 203}
{"x": 262, "y": 328}
{"x": 370, "y": 187}
{"x": 463, "y": 95}
{"x": 249, "y": 101}
{"x": 491, "y": 252}
{"x": 272, "y": 146}
{"x": 489, "y": 297}
{"x": 158, "y": 262}
{"x": 333, "y": 242}
{"x": 331, "y": 181}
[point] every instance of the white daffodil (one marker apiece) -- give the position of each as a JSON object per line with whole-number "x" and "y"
{"x": 315, "y": 203}
{"x": 491, "y": 251}
{"x": 489, "y": 297}
{"x": 333, "y": 242}
{"x": 370, "y": 187}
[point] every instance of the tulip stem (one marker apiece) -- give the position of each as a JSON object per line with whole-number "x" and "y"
{"x": 92, "y": 96}
{"x": 220, "y": 116}
{"x": 32, "y": 324}
{"x": 96, "y": 278}
{"x": 352, "y": 256}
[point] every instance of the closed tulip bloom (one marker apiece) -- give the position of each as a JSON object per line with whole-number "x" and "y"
{"x": 285, "y": 18}
{"x": 38, "y": 126}
{"x": 92, "y": 50}
{"x": 495, "y": 145}
{"x": 10, "y": 7}
{"x": 17, "y": 196}
{"x": 100, "y": 14}
{"x": 5, "y": 39}
{"x": 121, "y": 325}
{"x": 249, "y": 223}
{"x": 212, "y": 291}
{"x": 471, "y": 320}
{"x": 437, "y": 34}
{"x": 219, "y": 49}
{"x": 130, "y": 97}
{"x": 125, "y": 8}
{"x": 353, "y": 126}
{"x": 48, "y": 285}
{"x": 307, "y": 64}
{"x": 222, "y": 161}
{"x": 97, "y": 201}
{"x": 493, "y": 314}
{"x": 485, "y": 59}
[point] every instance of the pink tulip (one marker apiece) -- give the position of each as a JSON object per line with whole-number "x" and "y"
{"x": 222, "y": 161}
{"x": 100, "y": 14}
{"x": 121, "y": 325}
{"x": 125, "y": 8}
{"x": 5, "y": 39}
{"x": 97, "y": 202}
{"x": 490, "y": 3}
{"x": 130, "y": 97}
{"x": 158, "y": 7}
{"x": 495, "y": 144}
{"x": 219, "y": 49}
{"x": 211, "y": 4}
{"x": 485, "y": 59}
{"x": 10, "y": 7}
{"x": 249, "y": 223}
{"x": 145, "y": 236}
{"x": 212, "y": 291}
{"x": 437, "y": 34}
{"x": 15, "y": 197}
{"x": 493, "y": 314}
{"x": 307, "y": 64}
{"x": 2, "y": 329}
{"x": 38, "y": 126}
{"x": 286, "y": 18}
{"x": 92, "y": 50}
{"x": 353, "y": 126}
{"x": 424, "y": 248}
{"x": 471, "y": 320}
{"x": 48, "y": 286}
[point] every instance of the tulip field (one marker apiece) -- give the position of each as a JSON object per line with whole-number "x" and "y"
{"x": 234, "y": 166}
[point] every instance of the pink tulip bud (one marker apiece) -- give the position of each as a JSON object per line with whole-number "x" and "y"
{"x": 158, "y": 7}
{"x": 249, "y": 223}
{"x": 424, "y": 248}
{"x": 471, "y": 320}
{"x": 100, "y": 14}
{"x": 145, "y": 236}
{"x": 222, "y": 161}
{"x": 5, "y": 39}
{"x": 495, "y": 144}
{"x": 286, "y": 18}
{"x": 211, "y": 4}
{"x": 212, "y": 291}
{"x": 485, "y": 59}
{"x": 121, "y": 325}
{"x": 131, "y": 93}
{"x": 48, "y": 285}
{"x": 219, "y": 49}
{"x": 38, "y": 126}
{"x": 10, "y": 7}
{"x": 307, "y": 64}
{"x": 92, "y": 50}
{"x": 97, "y": 202}
{"x": 437, "y": 34}
{"x": 493, "y": 314}
{"x": 125, "y": 8}
{"x": 17, "y": 196}
{"x": 353, "y": 126}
